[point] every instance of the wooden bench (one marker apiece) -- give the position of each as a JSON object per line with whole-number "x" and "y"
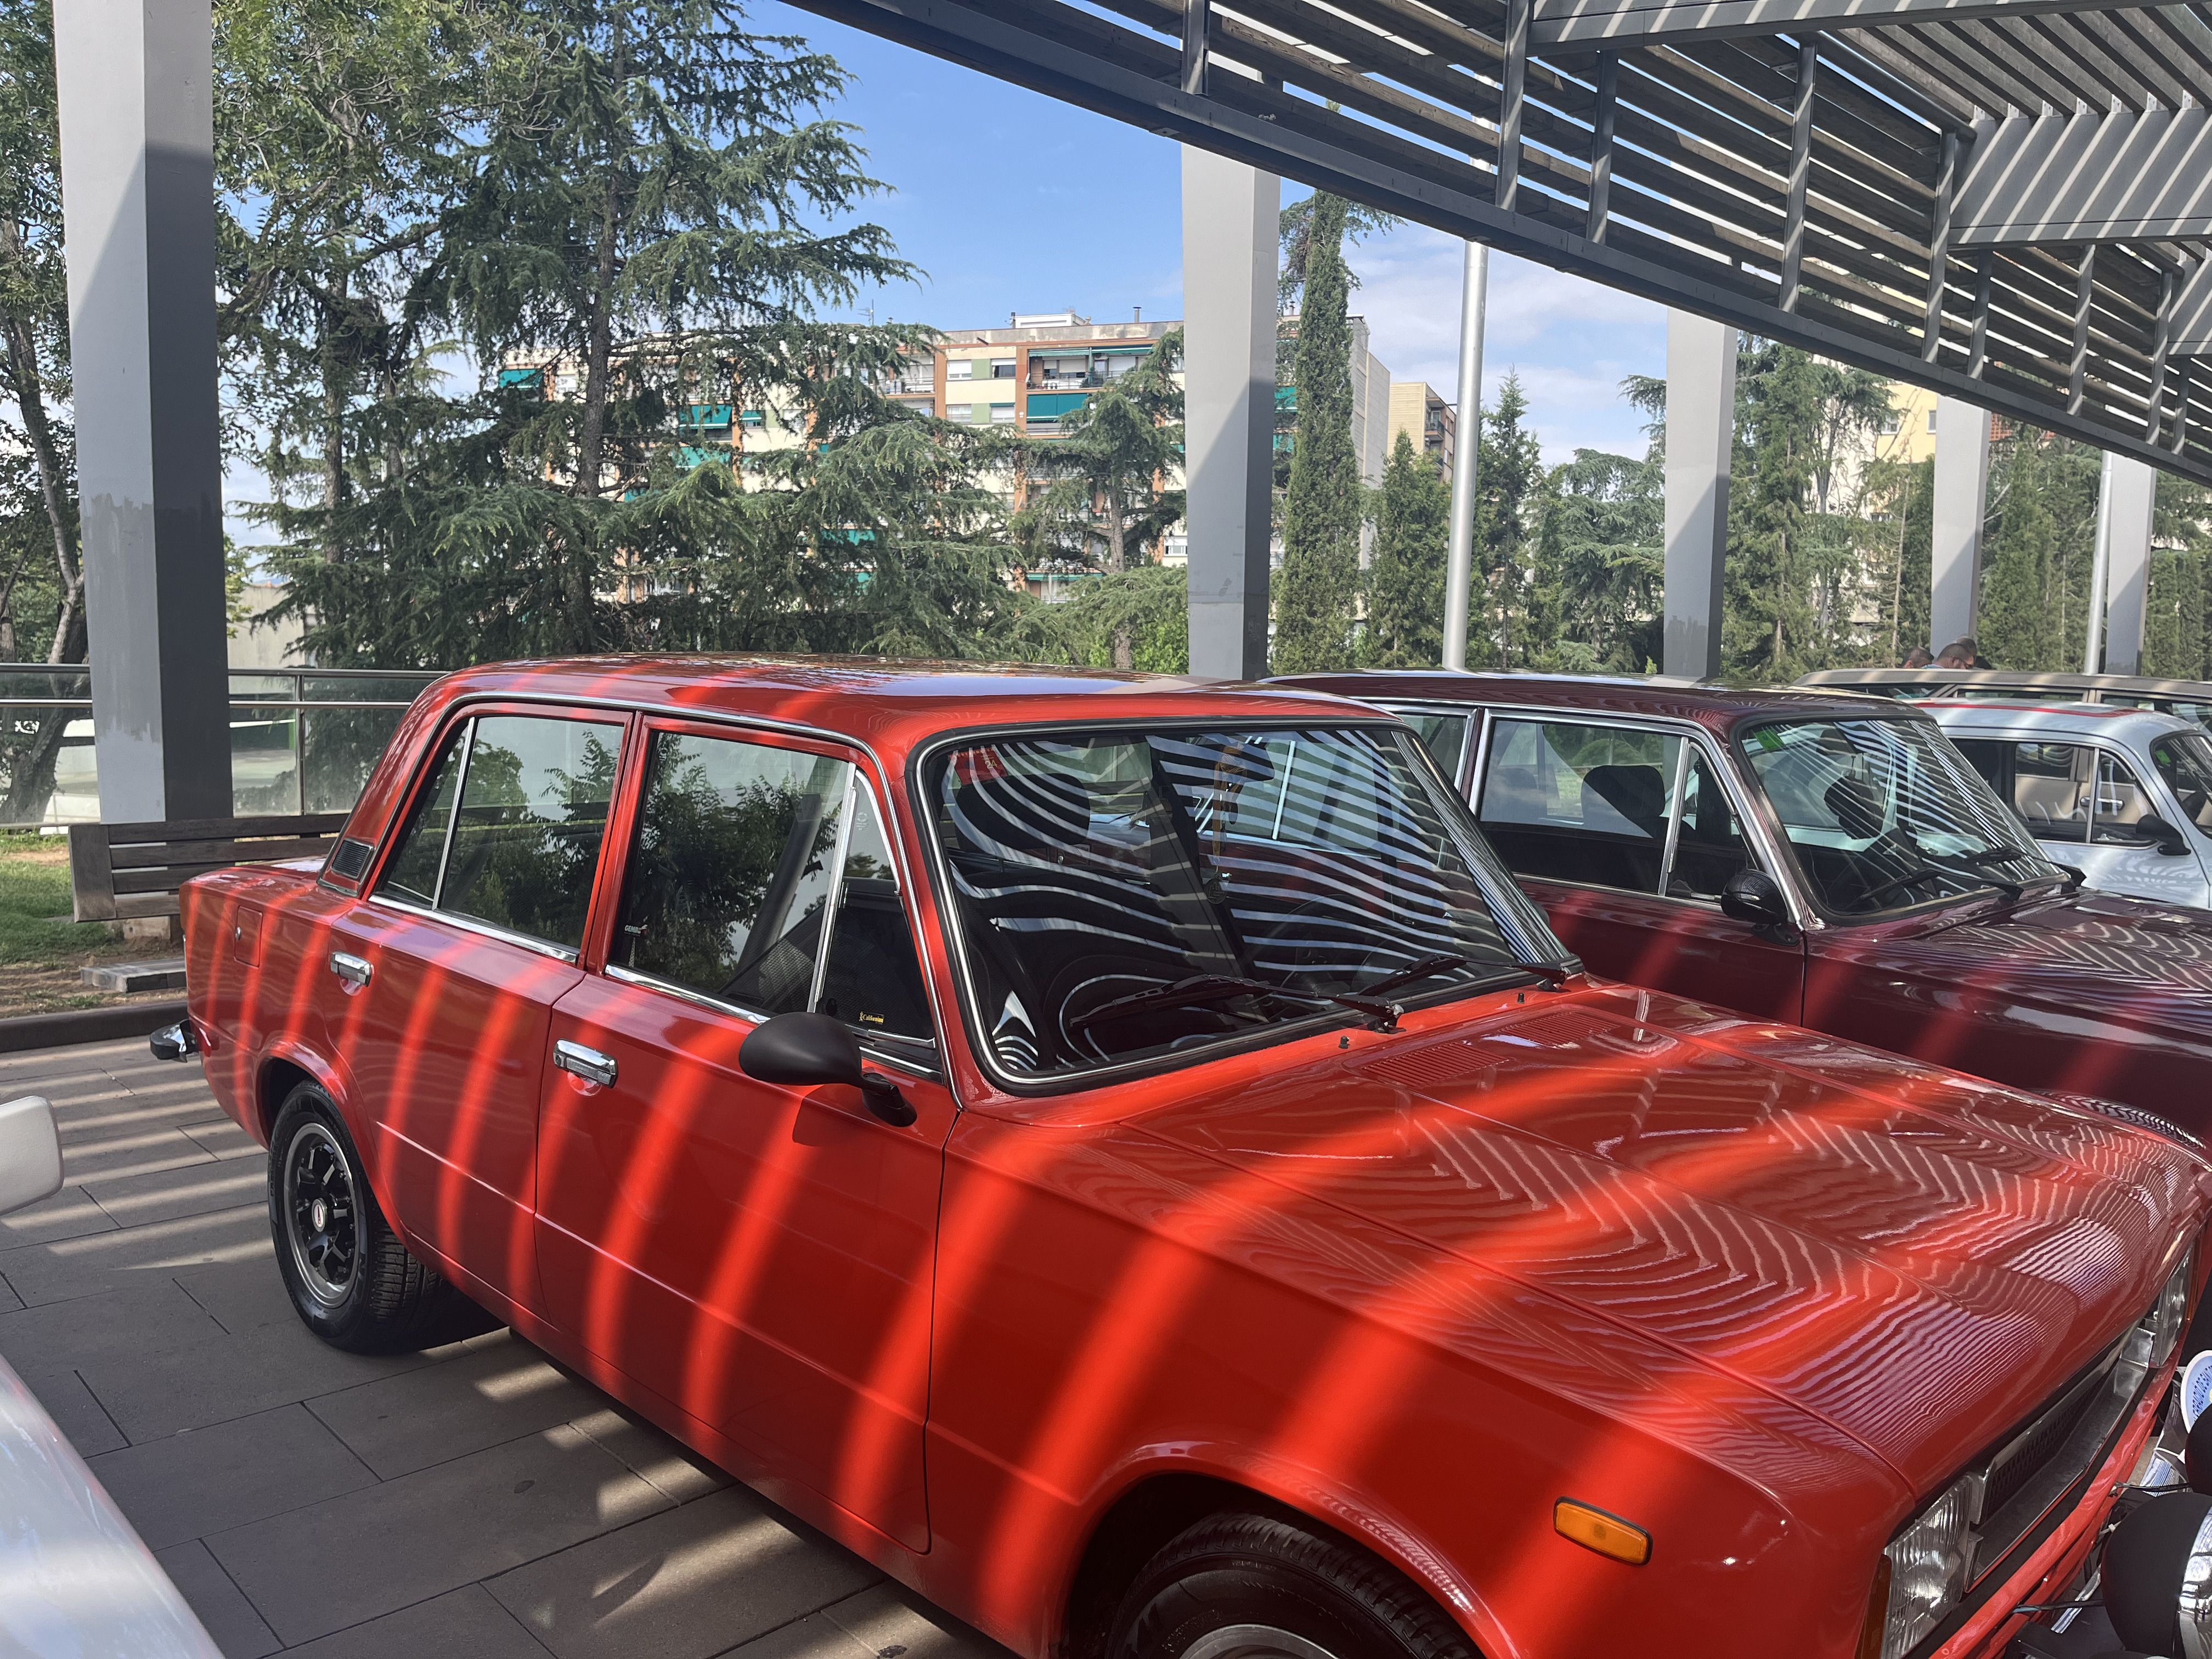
{"x": 121, "y": 871}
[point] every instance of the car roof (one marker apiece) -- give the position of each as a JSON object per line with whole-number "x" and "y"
{"x": 2006, "y": 678}
{"x": 2133, "y": 725}
{"x": 1723, "y": 707}
{"x": 877, "y": 700}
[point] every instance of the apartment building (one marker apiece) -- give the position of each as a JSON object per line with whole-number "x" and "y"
{"x": 1419, "y": 411}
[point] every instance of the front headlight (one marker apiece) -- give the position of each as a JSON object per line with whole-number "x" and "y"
{"x": 1929, "y": 1563}
{"x": 2151, "y": 1343}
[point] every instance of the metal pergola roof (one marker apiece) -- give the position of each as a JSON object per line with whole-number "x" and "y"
{"x": 2006, "y": 201}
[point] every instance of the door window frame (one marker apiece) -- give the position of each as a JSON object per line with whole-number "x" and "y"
{"x": 2154, "y": 787}
{"x": 1757, "y": 842}
{"x": 598, "y": 933}
{"x": 461, "y": 719}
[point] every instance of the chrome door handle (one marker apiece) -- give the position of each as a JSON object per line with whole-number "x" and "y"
{"x": 589, "y": 1064}
{"x": 353, "y": 970}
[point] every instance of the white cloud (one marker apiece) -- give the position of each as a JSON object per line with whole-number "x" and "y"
{"x": 1570, "y": 341}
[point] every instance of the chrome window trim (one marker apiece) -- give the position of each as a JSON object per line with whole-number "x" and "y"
{"x": 468, "y": 747}
{"x": 1461, "y": 775}
{"x": 471, "y": 924}
{"x": 1760, "y": 842}
{"x": 1481, "y": 864}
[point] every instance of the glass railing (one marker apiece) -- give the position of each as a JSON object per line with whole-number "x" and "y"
{"x": 301, "y": 739}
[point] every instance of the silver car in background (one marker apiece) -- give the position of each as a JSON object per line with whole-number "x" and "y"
{"x": 2123, "y": 795}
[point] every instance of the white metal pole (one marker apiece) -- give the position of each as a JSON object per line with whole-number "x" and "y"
{"x": 2098, "y": 566}
{"x": 1459, "y": 566}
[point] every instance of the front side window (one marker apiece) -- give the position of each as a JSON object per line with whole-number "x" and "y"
{"x": 2185, "y": 762}
{"x": 520, "y": 851}
{"x": 1122, "y": 897}
{"x": 746, "y": 857}
{"x": 2122, "y": 803}
{"x": 1443, "y": 736}
{"x": 1882, "y": 814}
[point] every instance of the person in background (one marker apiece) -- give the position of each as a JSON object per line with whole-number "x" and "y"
{"x": 1960, "y": 653}
{"x": 1918, "y": 657}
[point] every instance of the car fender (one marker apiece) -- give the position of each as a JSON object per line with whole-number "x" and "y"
{"x": 329, "y": 1074}
{"x": 1359, "y": 1515}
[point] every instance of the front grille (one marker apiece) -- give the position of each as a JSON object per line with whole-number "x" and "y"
{"x": 2025, "y": 1477}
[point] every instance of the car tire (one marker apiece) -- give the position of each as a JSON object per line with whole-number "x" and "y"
{"x": 1241, "y": 1586}
{"x": 351, "y": 1281}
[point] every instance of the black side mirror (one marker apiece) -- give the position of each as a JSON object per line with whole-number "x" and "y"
{"x": 1754, "y": 897}
{"x": 2169, "y": 840}
{"x": 803, "y": 1050}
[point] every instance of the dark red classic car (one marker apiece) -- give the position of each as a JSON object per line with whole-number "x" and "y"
{"x": 1122, "y": 1155}
{"x": 1826, "y": 859}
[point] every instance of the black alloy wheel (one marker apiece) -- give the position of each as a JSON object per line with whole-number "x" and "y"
{"x": 351, "y": 1280}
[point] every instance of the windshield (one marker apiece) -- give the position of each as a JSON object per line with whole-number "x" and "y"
{"x": 2184, "y": 761}
{"x": 1884, "y": 813}
{"x": 1124, "y": 895}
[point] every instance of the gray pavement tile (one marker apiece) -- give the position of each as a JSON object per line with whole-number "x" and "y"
{"x": 463, "y": 1624}
{"x": 224, "y": 1139}
{"x": 211, "y": 1479}
{"x": 892, "y": 1618}
{"x": 163, "y": 1390}
{"x": 95, "y": 1263}
{"x": 75, "y": 1413}
{"x": 172, "y": 1195}
{"x": 138, "y": 1152}
{"x": 142, "y": 1318}
{"x": 222, "y": 1606}
{"x": 337, "y": 1563}
{"x": 8, "y": 1300}
{"x": 481, "y": 1398}
{"x": 95, "y": 1119}
{"x": 242, "y": 1294}
{"x": 670, "y": 1465}
{"x": 70, "y": 1214}
{"x": 817, "y": 1636}
{"x": 681, "y": 1585}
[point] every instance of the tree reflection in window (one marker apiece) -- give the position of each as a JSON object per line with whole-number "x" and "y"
{"x": 533, "y": 811}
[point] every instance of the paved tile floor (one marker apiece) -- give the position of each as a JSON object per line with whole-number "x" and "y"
{"x": 471, "y": 1500}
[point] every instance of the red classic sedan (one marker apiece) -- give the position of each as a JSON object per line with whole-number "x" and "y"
{"x": 1826, "y": 859}
{"x": 1122, "y": 1155}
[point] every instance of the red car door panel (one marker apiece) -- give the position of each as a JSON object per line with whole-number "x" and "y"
{"x": 760, "y": 1256}
{"x": 1692, "y": 949}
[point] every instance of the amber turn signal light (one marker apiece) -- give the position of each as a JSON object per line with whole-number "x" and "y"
{"x": 1608, "y": 1535}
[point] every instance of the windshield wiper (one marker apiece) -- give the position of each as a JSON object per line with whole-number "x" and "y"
{"x": 1427, "y": 968}
{"x": 1222, "y": 987}
{"x": 1910, "y": 879}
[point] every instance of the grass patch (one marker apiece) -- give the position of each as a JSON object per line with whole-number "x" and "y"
{"x": 41, "y": 950}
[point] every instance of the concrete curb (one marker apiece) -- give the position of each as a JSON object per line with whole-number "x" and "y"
{"x": 68, "y": 1025}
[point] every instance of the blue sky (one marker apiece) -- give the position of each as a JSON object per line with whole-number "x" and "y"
{"x": 1012, "y": 202}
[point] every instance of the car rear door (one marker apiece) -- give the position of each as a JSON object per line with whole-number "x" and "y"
{"x": 1626, "y": 835}
{"x": 760, "y": 1256}
{"x": 446, "y": 974}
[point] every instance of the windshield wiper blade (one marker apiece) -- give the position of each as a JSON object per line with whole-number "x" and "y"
{"x": 1551, "y": 972}
{"x": 1427, "y": 968}
{"x": 1221, "y": 988}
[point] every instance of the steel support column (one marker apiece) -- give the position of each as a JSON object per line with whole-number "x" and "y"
{"x": 1231, "y": 226}
{"x": 137, "y": 148}
{"x": 1700, "y": 442}
{"x": 1962, "y": 478}
{"x": 1459, "y": 545}
{"x": 2131, "y": 486}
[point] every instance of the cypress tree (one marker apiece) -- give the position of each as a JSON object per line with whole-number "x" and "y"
{"x": 2018, "y": 623}
{"x": 1406, "y": 585}
{"x": 1510, "y": 474}
{"x": 1319, "y": 583}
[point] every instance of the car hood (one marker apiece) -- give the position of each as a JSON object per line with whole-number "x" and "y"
{"x": 2145, "y": 965}
{"x": 1918, "y": 1258}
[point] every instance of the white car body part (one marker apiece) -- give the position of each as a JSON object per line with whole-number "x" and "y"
{"x": 75, "y": 1581}
{"x": 2083, "y": 775}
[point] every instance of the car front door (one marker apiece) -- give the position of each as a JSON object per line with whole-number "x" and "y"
{"x": 757, "y": 1255}
{"x": 446, "y": 976}
{"x": 1626, "y": 835}
{"x": 2082, "y": 803}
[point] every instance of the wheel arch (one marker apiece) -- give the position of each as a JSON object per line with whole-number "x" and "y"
{"x": 1157, "y": 1498}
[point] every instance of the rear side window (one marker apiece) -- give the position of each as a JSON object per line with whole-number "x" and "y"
{"x": 748, "y": 859}
{"x": 1444, "y": 736}
{"x": 2051, "y": 789}
{"x": 520, "y": 849}
{"x": 1580, "y": 803}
